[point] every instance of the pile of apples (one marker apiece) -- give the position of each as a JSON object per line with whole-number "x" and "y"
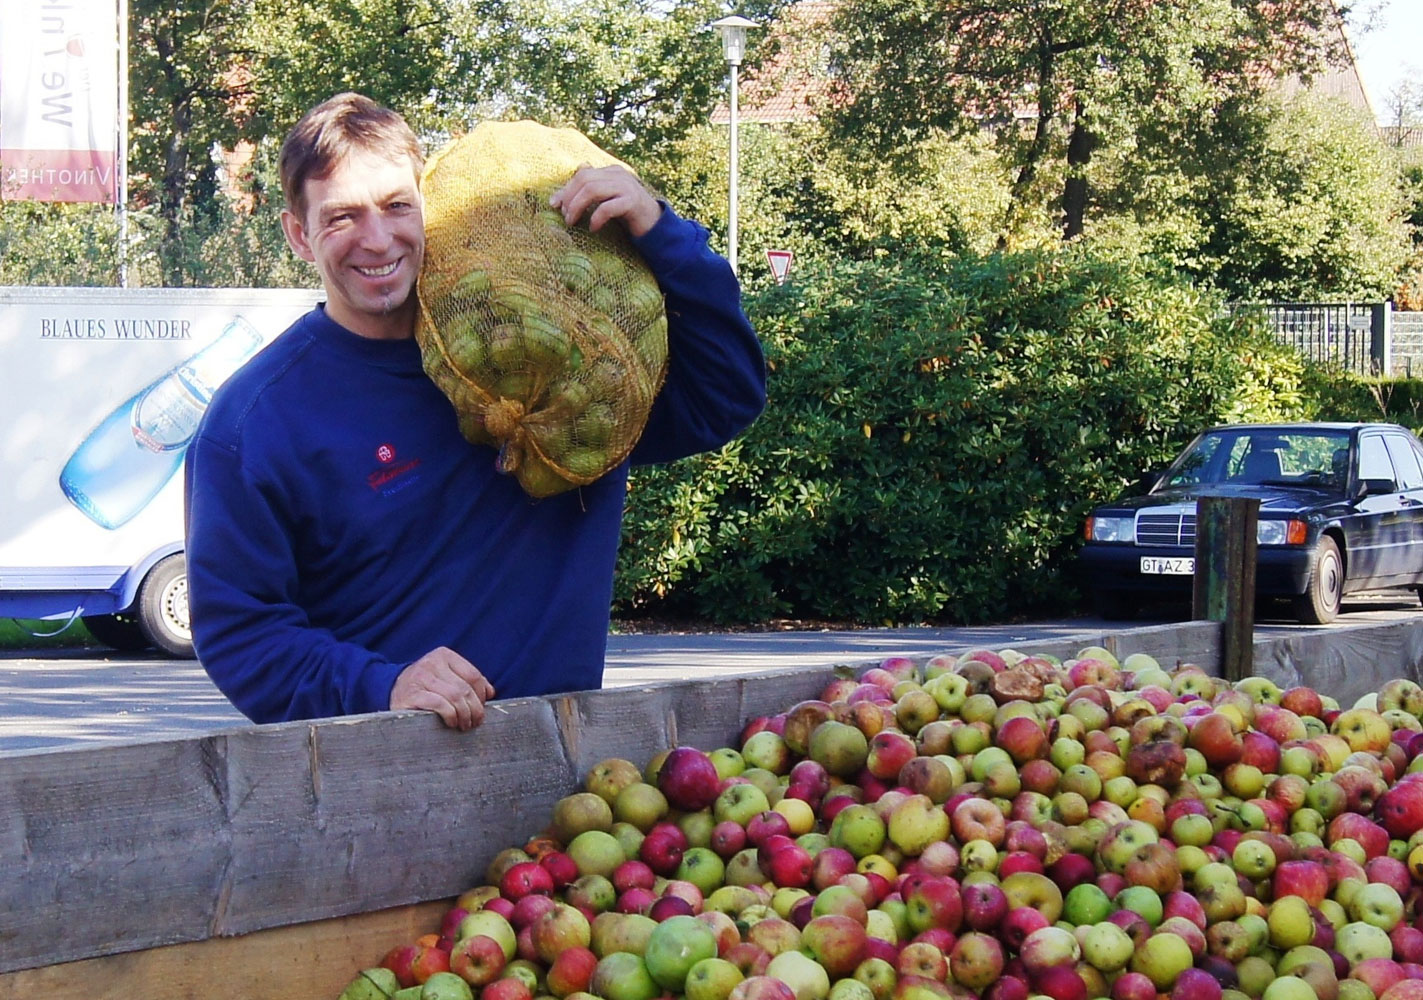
{"x": 995, "y": 824}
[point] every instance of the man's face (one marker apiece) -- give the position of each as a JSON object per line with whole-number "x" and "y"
{"x": 364, "y": 229}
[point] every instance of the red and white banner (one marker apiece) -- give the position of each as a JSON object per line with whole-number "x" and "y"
{"x": 59, "y": 100}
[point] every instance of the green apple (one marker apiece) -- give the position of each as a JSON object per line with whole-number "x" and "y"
{"x": 1290, "y": 922}
{"x": 879, "y": 924}
{"x": 1358, "y": 941}
{"x": 1377, "y": 904}
{"x": 1066, "y": 752}
{"x": 1255, "y": 973}
{"x": 677, "y": 944}
{"x": 801, "y": 973}
{"x": 1086, "y": 904}
{"x": 1162, "y": 958}
{"x": 491, "y": 925}
{"x": 1192, "y": 830}
{"x": 1254, "y": 859}
{"x": 1142, "y": 900}
{"x": 850, "y": 989}
{"x": 1289, "y": 988}
{"x": 1107, "y": 947}
{"x": 622, "y": 975}
{"x": 446, "y": 986}
{"x": 859, "y": 829}
{"x": 740, "y": 804}
{"x": 376, "y": 983}
{"x": 711, "y": 979}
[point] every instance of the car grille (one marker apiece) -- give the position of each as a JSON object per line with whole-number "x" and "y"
{"x": 1166, "y": 529}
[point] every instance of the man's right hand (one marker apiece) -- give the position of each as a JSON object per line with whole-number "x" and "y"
{"x": 445, "y": 683}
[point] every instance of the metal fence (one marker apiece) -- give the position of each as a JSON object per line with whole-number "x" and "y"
{"x": 1352, "y": 335}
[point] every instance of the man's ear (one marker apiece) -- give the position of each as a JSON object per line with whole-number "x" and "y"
{"x": 296, "y": 236}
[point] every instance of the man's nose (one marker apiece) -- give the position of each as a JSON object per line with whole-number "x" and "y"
{"x": 377, "y": 232}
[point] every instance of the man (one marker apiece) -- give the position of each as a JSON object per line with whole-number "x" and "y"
{"x": 348, "y": 551}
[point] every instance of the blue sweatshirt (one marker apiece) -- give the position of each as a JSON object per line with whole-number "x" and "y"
{"x": 339, "y": 527}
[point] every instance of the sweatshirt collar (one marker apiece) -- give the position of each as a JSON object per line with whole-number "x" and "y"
{"x": 396, "y": 355}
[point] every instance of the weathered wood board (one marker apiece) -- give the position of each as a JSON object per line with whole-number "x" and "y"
{"x": 311, "y": 961}
{"x": 260, "y": 837}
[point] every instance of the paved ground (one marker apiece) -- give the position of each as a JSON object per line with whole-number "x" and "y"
{"x": 77, "y": 697}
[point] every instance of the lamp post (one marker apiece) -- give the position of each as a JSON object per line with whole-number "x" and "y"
{"x": 733, "y": 44}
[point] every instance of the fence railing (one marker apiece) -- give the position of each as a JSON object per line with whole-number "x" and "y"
{"x": 1356, "y": 336}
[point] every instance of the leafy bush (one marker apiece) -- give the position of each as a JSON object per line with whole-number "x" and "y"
{"x": 937, "y": 430}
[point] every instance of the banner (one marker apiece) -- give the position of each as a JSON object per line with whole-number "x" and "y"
{"x": 59, "y": 100}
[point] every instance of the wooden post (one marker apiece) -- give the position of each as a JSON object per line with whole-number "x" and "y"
{"x": 1224, "y": 589}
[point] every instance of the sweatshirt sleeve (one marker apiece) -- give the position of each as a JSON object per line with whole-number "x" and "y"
{"x": 251, "y": 636}
{"x": 716, "y": 374}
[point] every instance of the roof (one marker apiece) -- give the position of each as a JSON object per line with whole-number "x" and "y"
{"x": 789, "y": 85}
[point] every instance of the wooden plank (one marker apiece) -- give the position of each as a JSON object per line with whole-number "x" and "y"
{"x": 1196, "y": 642}
{"x": 1224, "y": 584}
{"x": 1345, "y": 663}
{"x": 125, "y": 842}
{"x": 312, "y": 961}
{"x": 386, "y": 810}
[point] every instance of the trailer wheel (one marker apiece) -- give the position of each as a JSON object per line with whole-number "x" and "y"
{"x": 121, "y": 632}
{"x": 163, "y": 607}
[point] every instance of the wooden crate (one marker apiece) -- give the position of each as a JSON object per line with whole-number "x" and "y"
{"x": 276, "y": 861}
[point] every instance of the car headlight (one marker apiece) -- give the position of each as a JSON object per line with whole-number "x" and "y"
{"x": 1276, "y": 532}
{"x": 1111, "y": 529}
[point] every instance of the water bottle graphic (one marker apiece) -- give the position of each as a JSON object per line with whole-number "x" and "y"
{"x": 135, "y": 450}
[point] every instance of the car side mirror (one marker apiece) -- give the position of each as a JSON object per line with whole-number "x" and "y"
{"x": 1375, "y": 487}
{"x": 1149, "y": 481}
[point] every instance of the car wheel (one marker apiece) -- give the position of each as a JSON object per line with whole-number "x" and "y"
{"x": 121, "y": 632}
{"x": 163, "y": 607}
{"x": 1319, "y": 604}
{"x": 1114, "y": 605}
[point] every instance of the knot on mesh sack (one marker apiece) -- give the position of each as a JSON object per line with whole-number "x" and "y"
{"x": 503, "y": 419}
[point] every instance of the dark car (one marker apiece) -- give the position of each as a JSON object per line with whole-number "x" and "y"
{"x": 1341, "y": 511}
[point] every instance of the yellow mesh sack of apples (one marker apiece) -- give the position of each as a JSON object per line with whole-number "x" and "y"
{"x": 550, "y": 341}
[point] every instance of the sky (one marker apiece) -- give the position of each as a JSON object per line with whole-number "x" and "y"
{"x": 1391, "y": 51}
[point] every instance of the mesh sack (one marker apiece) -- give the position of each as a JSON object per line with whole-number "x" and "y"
{"x": 550, "y": 341}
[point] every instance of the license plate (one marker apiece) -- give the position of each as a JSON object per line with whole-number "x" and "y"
{"x": 1171, "y": 567}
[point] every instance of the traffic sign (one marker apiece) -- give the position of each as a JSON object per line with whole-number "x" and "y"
{"x": 780, "y": 264}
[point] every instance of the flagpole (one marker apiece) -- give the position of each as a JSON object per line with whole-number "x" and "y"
{"x": 121, "y": 195}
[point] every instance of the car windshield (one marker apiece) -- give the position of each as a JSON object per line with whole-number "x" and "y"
{"x": 1263, "y": 456}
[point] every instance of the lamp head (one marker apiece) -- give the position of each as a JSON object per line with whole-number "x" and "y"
{"x": 733, "y": 36}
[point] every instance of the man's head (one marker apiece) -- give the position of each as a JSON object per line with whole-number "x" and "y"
{"x": 350, "y": 176}
{"x": 329, "y": 132}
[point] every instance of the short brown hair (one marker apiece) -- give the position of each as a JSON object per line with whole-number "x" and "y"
{"x": 330, "y": 131}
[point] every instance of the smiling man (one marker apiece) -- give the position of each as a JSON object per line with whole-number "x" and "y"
{"x": 348, "y": 551}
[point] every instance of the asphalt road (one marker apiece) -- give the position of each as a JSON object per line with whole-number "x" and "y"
{"x": 67, "y": 698}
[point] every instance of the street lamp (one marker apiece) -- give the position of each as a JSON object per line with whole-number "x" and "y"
{"x": 733, "y": 45}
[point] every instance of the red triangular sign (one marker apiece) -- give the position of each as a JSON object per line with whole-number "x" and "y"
{"x": 780, "y": 264}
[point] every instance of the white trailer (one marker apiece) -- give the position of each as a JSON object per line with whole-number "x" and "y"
{"x": 100, "y": 391}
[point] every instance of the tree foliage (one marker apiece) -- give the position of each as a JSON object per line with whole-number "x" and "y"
{"x": 1060, "y": 78}
{"x": 938, "y": 427}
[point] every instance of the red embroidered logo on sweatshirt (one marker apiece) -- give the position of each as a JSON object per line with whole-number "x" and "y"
{"x": 392, "y": 476}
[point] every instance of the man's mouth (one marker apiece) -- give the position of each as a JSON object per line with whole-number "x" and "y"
{"x": 379, "y": 272}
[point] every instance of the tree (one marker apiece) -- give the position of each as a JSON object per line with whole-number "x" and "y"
{"x": 185, "y": 91}
{"x": 1061, "y": 78}
{"x": 206, "y": 76}
{"x": 1288, "y": 198}
{"x": 633, "y": 76}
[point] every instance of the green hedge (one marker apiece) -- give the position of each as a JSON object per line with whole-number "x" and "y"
{"x": 937, "y": 430}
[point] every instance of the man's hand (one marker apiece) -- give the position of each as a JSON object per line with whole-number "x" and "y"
{"x": 611, "y": 192}
{"x": 445, "y": 683}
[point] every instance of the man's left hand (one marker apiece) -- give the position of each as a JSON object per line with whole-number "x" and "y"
{"x": 611, "y": 192}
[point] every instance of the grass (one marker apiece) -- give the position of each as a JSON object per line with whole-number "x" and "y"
{"x": 31, "y": 634}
